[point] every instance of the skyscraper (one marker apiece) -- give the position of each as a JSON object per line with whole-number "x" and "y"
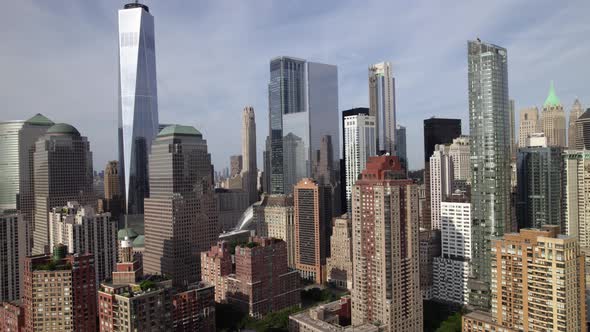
{"x": 489, "y": 122}
{"x": 577, "y": 204}
{"x": 9, "y": 166}
{"x": 312, "y": 218}
{"x": 276, "y": 218}
{"x": 540, "y": 185}
{"x": 249, "y": 170}
{"x": 382, "y": 106}
{"x": 436, "y": 131}
{"x": 62, "y": 172}
{"x": 572, "y": 131}
{"x": 553, "y": 119}
{"x": 359, "y": 145}
{"x": 303, "y": 107}
{"x": 402, "y": 153}
{"x": 512, "y": 130}
{"x": 343, "y": 171}
{"x": 138, "y": 102}
{"x": 386, "y": 287}
{"x": 339, "y": 264}
{"x": 180, "y": 214}
{"x": 83, "y": 230}
{"x": 441, "y": 181}
{"x": 529, "y": 124}
{"x": 583, "y": 131}
{"x": 11, "y": 255}
{"x": 235, "y": 164}
{"x": 113, "y": 201}
{"x": 459, "y": 153}
{"x": 522, "y": 297}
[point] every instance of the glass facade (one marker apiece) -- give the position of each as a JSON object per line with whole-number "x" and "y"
{"x": 303, "y": 107}
{"x": 9, "y": 163}
{"x": 489, "y": 122}
{"x": 382, "y": 106}
{"x": 138, "y": 104}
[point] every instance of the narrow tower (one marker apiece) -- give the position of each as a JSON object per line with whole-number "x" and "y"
{"x": 382, "y": 106}
{"x": 249, "y": 169}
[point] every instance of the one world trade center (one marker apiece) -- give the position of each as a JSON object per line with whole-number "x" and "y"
{"x": 138, "y": 102}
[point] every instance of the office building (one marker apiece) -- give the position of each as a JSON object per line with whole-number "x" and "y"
{"x": 451, "y": 269}
{"x": 512, "y": 129}
{"x": 583, "y": 131}
{"x": 359, "y": 145}
{"x": 553, "y": 120}
{"x": 489, "y": 120}
{"x": 459, "y": 153}
{"x": 303, "y": 107}
{"x": 70, "y": 281}
{"x": 312, "y": 218}
{"x": 11, "y": 255}
{"x": 180, "y": 215}
{"x": 134, "y": 301}
{"x": 235, "y": 165}
{"x": 436, "y": 131}
{"x": 343, "y": 161}
{"x": 62, "y": 172}
{"x": 275, "y": 218}
{"x": 328, "y": 317}
{"x": 577, "y": 186}
{"x": 113, "y": 201}
{"x": 441, "y": 181}
{"x": 540, "y": 184}
{"x": 83, "y": 230}
{"x": 9, "y": 166}
{"x": 529, "y": 124}
{"x": 250, "y": 170}
{"x": 572, "y": 131}
{"x": 429, "y": 250}
{"x": 382, "y": 106}
{"x": 339, "y": 264}
{"x": 386, "y": 284}
{"x": 138, "y": 102}
{"x": 530, "y": 302}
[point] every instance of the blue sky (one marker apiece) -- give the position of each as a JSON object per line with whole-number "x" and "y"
{"x": 59, "y": 58}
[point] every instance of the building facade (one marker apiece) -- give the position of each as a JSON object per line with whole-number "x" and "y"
{"x": 359, "y": 145}
{"x": 250, "y": 170}
{"x": 489, "y": 122}
{"x": 216, "y": 264}
{"x": 343, "y": 161}
{"x": 386, "y": 285}
{"x": 71, "y": 281}
{"x": 194, "y": 309}
{"x": 436, "y": 131}
{"x": 451, "y": 269}
{"x": 529, "y": 124}
{"x": 540, "y": 186}
{"x": 9, "y": 168}
{"x": 62, "y": 172}
{"x": 577, "y": 204}
{"x": 83, "y": 230}
{"x": 402, "y": 152}
{"x": 583, "y": 131}
{"x": 382, "y": 106}
{"x": 181, "y": 217}
{"x": 11, "y": 255}
{"x": 339, "y": 264}
{"x": 113, "y": 201}
{"x": 303, "y": 107}
{"x": 276, "y": 219}
{"x": 441, "y": 181}
{"x": 553, "y": 120}
{"x": 429, "y": 251}
{"x": 138, "y": 102}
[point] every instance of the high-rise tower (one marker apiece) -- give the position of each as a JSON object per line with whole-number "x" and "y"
{"x": 572, "y": 131}
{"x": 489, "y": 122}
{"x": 303, "y": 108}
{"x": 138, "y": 102}
{"x": 382, "y": 106}
{"x": 249, "y": 169}
{"x": 529, "y": 124}
{"x": 180, "y": 215}
{"x": 553, "y": 120}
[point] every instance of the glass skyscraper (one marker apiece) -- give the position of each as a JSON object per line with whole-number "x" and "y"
{"x": 382, "y": 106}
{"x": 9, "y": 163}
{"x": 303, "y": 107}
{"x": 489, "y": 122}
{"x": 138, "y": 102}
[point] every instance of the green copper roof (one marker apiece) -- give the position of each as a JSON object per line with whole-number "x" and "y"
{"x": 39, "y": 119}
{"x": 63, "y": 128}
{"x": 126, "y": 232}
{"x": 139, "y": 242}
{"x": 552, "y": 99}
{"x": 175, "y": 130}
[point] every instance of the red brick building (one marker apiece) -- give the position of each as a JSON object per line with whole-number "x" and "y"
{"x": 194, "y": 309}
{"x": 215, "y": 265}
{"x": 12, "y": 317}
{"x": 70, "y": 281}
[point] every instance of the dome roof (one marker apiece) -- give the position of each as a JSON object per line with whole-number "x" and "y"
{"x": 126, "y": 233}
{"x": 552, "y": 99}
{"x": 178, "y": 130}
{"x": 39, "y": 119}
{"x": 63, "y": 128}
{"x": 139, "y": 242}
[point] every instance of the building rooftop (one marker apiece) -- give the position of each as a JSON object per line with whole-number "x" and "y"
{"x": 552, "y": 99}
{"x": 127, "y": 232}
{"x": 585, "y": 115}
{"x": 63, "y": 128}
{"x": 179, "y": 130}
{"x": 39, "y": 119}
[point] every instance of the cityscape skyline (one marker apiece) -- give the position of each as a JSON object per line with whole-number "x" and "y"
{"x": 203, "y": 103}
